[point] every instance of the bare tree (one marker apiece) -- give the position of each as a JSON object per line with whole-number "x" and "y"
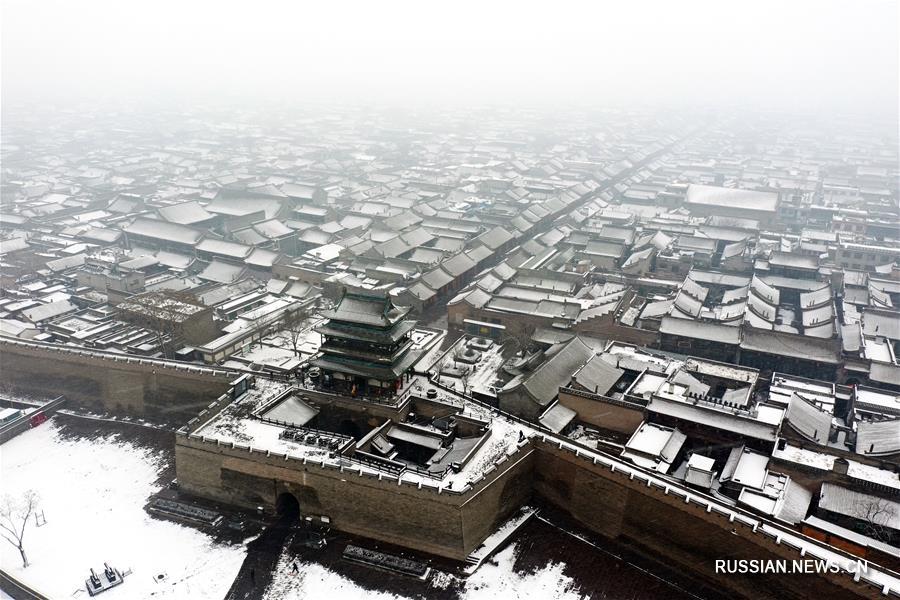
{"x": 464, "y": 379}
{"x": 14, "y": 515}
{"x": 520, "y": 339}
{"x": 294, "y": 324}
{"x": 163, "y": 313}
{"x": 877, "y": 513}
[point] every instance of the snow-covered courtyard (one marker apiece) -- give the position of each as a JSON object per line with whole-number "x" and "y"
{"x": 93, "y": 493}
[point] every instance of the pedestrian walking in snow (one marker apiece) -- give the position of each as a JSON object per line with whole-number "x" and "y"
{"x": 295, "y": 568}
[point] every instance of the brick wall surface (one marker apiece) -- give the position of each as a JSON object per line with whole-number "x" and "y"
{"x": 446, "y": 523}
{"x": 454, "y": 523}
{"x": 686, "y": 534}
{"x": 605, "y": 415}
{"x": 133, "y": 387}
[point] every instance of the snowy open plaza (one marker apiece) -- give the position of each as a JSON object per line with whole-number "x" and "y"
{"x": 92, "y": 493}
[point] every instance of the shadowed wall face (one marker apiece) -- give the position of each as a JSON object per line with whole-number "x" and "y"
{"x": 132, "y": 388}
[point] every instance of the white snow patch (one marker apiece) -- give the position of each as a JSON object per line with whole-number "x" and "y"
{"x": 441, "y": 580}
{"x": 315, "y": 582}
{"x": 496, "y": 539}
{"x": 495, "y": 580}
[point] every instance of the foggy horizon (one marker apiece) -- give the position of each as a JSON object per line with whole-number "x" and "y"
{"x": 819, "y": 58}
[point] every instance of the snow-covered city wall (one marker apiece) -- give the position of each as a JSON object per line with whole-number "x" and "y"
{"x": 109, "y": 382}
{"x": 448, "y": 520}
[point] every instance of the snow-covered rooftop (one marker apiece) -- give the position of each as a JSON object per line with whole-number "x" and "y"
{"x": 240, "y": 424}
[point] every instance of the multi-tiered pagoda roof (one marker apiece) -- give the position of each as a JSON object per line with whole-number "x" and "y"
{"x": 366, "y": 342}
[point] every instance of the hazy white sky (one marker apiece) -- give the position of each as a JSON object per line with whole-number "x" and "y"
{"x": 792, "y": 54}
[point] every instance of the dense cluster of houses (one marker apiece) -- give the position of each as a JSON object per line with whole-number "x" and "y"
{"x": 716, "y": 259}
{"x": 719, "y": 305}
{"x": 255, "y": 225}
{"x": 819, "y": 456}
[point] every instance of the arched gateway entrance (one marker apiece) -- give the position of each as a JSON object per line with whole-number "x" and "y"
{"x": 287, "y": 506}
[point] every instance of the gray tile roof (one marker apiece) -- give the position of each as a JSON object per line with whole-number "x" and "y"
{"x": 878, "y": 437}
{"x": 598, "y": 376}
{"x": 543, "y": 384}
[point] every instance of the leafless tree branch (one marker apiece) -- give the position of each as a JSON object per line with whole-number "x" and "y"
{"x": 17, "y": 513}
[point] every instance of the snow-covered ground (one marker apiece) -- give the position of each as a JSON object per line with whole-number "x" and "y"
{"x": 482, "y": 375}
{"x": 497, "y": 579}
{"x": 499, "y": 537}
{"x": 267, "y": 355}
{"x": 92, "y": 493}
{"x": 315, "y": 582}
